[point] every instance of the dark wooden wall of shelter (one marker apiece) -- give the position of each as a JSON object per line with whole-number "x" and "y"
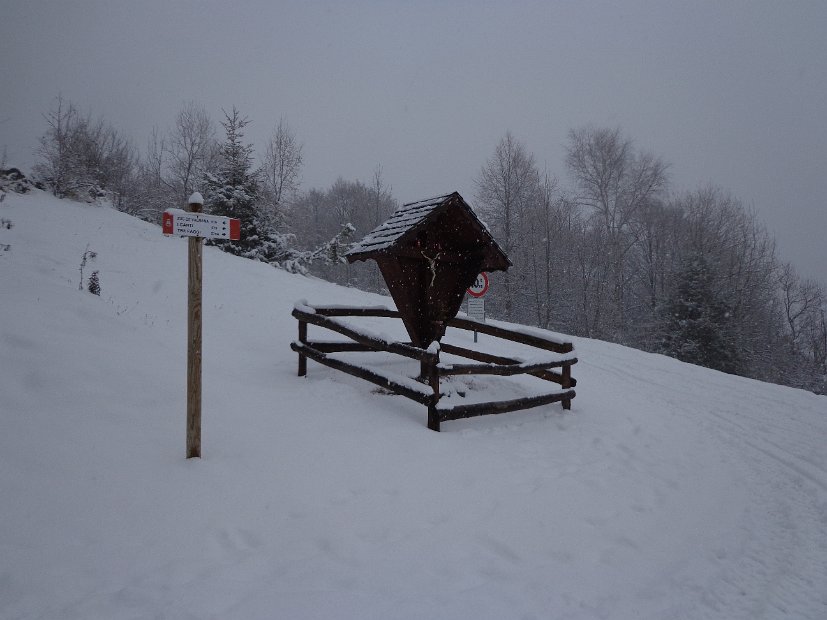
{"x": 428, "y": 274}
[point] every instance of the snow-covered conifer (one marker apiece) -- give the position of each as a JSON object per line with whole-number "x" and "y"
{"x": 233, "y": 191}
{"x": 698, "y": 321}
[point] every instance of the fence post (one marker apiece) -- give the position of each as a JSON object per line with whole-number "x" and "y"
{"x": 433, "y": 380}
{"x": 566, "y": 384}
{"x": 303, "y": 340}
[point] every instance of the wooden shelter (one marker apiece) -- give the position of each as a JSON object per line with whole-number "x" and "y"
{"x": 429, "y": 253}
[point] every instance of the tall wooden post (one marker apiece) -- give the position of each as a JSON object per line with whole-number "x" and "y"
{"x": 195, "y": 262}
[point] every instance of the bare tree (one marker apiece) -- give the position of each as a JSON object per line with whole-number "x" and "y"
{"x": 382, "y": 200}
{"x": 507, "y": 187}
{"x": 382, "y": 207}
{"x": 191, "y": 150}
{"x": 802, "y": 301}
{"x": 817, "y": 343}
{"x": 615, "y": 183}
{"x": 317, "y": 216}
{"x": 84, "y": 158}
{"x": 153, "y": 194}
{"x": 115, "y": 162}
{"x": 281, "y": 169}
{"x": 549, "y": 238}
{"x": 653, "y": 262}
{"x": 54, "y": 163}
{"x": 591, "y": 279}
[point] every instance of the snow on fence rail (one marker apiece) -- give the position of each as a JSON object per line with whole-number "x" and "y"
{"x": 553, "y": 365}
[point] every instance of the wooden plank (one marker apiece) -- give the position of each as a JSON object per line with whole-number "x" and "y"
{"x": 374, "y": 343}
{"x": 502, "y": 370}
{"x": 507, "y": 334}
{"x": 546, "y": 375}
{"x": 476, "y": 355}
{"x": 362, "y": 373}
{"x": 354, "y": 311}
{"x": 340, "y": 347}
{"x": 469, "y": 411}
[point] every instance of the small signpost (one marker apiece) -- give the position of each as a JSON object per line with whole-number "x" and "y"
{"x": 197, "y": 227}
{"x": 476, "y": 305}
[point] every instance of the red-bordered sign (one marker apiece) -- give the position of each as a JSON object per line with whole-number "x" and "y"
{"x": 188, "y": 224}
{"x": 480, "y": 286}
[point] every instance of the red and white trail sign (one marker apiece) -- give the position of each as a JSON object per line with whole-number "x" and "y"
{"x": 188, "y": 224}
{"x": 480, "y": 286}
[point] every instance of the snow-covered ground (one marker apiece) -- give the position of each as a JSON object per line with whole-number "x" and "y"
{"x": 668, "y": 491}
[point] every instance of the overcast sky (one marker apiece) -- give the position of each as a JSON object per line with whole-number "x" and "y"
{"x": 729, "y": 93}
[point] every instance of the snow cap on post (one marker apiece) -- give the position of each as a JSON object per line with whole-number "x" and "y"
{"x": 196, "y": 199}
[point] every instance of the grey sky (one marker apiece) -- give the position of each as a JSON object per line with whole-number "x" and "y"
{"x": 730, "y": 93}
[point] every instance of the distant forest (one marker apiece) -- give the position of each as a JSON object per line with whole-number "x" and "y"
{"x": 609, "y": 252}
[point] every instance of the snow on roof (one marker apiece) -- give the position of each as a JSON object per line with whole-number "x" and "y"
{"x": 403, "y": 219}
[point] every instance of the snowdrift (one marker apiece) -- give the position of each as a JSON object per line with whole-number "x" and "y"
{"x": 668, "y": 491}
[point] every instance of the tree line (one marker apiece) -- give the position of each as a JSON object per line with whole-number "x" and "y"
{"x": 616, "y": 255}
{"x": 88, "y": 159}
{"x": 612, "y": 254}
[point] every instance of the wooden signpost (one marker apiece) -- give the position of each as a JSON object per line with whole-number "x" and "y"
{"x": 197, "y": 227}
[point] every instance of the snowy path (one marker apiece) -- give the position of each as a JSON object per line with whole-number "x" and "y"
{"x": 767, "y": 440}
{"x": 669, "y": 491}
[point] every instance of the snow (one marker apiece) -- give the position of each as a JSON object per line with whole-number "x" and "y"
{"x": 403, "y": 219}
{"x": 379, "y": 308}
{"x": 302, "y": 306}
{"x": 522, "y": 329}
{"x": 668, "y": 491}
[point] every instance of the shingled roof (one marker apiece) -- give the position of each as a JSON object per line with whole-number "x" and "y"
{"x": 412, "y": 217}
{"x": 429, "y": 252}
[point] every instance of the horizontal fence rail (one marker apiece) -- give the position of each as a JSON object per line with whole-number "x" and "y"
{"x": 425, "y": 388}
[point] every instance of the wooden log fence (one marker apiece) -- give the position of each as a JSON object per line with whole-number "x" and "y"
{"x": 426, "y": 388}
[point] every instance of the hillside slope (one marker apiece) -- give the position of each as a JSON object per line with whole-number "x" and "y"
{"x": 668, "y": 491}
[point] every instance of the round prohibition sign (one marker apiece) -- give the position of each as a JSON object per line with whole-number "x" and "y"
{"x": 480, "y": 286}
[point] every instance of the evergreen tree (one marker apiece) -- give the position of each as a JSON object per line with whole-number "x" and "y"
{"x": 697, "y": 324}
{"x": 94, "y": 284}
{"x": 233, "y": 192}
